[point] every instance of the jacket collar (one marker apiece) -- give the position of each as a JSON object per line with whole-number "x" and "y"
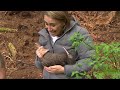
{"x": 73, "y": 22}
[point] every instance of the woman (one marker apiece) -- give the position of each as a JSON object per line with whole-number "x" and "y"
{"x": 59, "y": 27}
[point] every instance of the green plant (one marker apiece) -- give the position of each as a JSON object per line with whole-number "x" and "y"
{"x": 107, "y": 59}
{"x": 76, "y": 40}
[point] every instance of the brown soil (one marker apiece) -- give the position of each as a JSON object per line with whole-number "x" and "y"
{"x": 103, "y": 27}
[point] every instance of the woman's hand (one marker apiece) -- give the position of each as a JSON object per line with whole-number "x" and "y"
{"x": 41, "y": 51}
{"x": 57, "y": 69}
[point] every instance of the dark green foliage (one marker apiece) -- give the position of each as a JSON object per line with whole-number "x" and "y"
{"x": 106, "y": 63}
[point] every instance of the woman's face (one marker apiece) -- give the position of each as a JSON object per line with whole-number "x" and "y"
{"x": 54, "y": 26}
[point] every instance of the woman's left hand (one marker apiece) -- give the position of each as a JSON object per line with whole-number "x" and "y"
{"x": 57, "y": 69}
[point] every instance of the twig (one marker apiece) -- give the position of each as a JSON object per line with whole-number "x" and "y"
{"x": 70, "y": 56}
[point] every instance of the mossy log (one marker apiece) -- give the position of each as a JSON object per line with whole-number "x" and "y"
{"x": 3, "y": 29}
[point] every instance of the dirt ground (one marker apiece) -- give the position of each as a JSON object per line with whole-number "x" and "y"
{"x": 104, "y": 26}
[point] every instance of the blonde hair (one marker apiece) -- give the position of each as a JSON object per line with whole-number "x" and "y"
{"x": 62, "y": 16}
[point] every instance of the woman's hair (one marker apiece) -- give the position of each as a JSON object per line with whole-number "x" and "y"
{"x": 62, "y": 16}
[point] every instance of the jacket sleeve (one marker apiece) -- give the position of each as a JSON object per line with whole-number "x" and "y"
{"x": 38, "y": 63}
{"x": 85, "y": 53}
{"x": 42, "y": 41}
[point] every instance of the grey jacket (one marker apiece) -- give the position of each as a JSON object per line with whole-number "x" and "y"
{"x": 82, "y": 55}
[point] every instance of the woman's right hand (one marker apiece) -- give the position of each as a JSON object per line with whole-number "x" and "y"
{"x": 41, "y": 51}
